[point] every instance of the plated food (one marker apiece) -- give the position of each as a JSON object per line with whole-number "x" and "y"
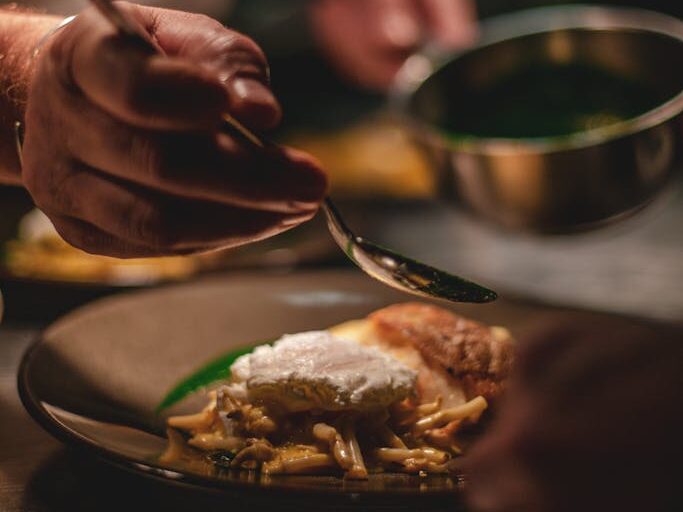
{"x": 39, "y": 252}
{"x": 401, "y": 390}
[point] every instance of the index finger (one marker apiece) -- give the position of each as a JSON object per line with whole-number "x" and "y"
{"x": 133, "y": 84}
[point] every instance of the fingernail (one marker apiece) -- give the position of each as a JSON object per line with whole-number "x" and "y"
{"x": 255, "y": 103}
{"x": 296, "y": 220}
{"x": 312, "y": 182}
{"x": 302, "y": 206}
{"x": 250, "y": 89}
{"x": 311, "y": 188}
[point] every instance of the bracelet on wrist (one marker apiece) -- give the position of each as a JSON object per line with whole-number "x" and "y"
{"x": 18, "y": 125}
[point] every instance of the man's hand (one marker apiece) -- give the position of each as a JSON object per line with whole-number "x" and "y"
{"x": 121, "y": 148}
{"x": 368, "y": 40}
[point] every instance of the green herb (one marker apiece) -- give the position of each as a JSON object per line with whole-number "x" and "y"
{"x": 217, "y": 369}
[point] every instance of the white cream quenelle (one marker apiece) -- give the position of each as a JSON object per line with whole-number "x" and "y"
{"x": 317, "y": 370}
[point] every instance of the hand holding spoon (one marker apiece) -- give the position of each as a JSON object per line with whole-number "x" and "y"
{"x": 386, "y": 266}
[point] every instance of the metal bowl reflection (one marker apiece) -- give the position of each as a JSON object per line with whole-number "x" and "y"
{"x": 554, "y": 183}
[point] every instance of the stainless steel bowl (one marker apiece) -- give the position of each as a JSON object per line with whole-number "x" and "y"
{"x": 555, "y": 184}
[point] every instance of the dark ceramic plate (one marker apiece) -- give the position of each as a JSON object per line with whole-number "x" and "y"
{"x": 95, "y": 377}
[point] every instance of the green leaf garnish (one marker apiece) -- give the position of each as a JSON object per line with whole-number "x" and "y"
{"x": 217, "y": 369}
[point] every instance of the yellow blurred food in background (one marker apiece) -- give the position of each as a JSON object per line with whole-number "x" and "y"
{"x": 375, "y": 158}
{"x": 40, "y": 253}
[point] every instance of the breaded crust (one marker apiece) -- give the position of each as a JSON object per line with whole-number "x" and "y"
{"x": 478, "y": 356}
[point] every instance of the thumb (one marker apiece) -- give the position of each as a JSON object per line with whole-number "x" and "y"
{"x": 252, "y": 102}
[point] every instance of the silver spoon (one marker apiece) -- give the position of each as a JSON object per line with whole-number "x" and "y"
{"x": 383, "y": 264}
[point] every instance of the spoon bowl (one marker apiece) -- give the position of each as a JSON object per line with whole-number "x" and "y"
{"x": 401, "y": 272}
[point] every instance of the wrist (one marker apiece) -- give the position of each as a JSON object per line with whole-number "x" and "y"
{"x": 20, "y": 32}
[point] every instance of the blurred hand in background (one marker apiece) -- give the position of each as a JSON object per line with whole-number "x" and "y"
{"x": 591, "y": 421}
{"x": 367, "y": 41}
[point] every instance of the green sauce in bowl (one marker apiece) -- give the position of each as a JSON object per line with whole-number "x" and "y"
{"x": 546, "y": 100}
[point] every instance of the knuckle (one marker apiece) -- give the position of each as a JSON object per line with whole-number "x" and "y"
{"x": 134, "y": 92}
{"x": 50, "y": 190}
{"x": 245, "y": 44}
{"x": 152, "y": 224}
{"x": 148, "y": 156}
{"x": 64, "y": 191}
{"x": 242, "y": 54}
{"x": 165, "y": 159}
{"x": 208, "y": 23}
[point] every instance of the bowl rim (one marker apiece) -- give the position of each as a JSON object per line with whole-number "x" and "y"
{"x": 430, "y": 59}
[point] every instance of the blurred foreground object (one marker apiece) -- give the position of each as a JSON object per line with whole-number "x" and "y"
{"x": 524, "y": 160}
{"x": 592, "y": 421}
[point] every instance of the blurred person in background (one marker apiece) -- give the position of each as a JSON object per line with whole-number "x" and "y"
{"x": 366, "y": 41}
